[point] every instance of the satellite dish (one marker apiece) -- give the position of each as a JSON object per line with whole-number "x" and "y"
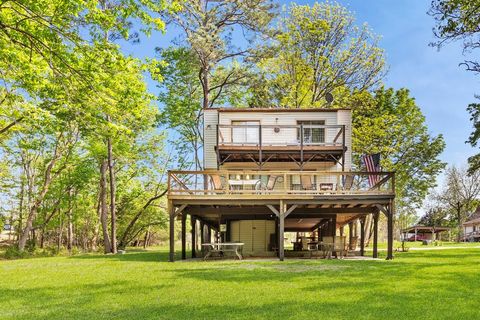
{"x": 329, "y": 97}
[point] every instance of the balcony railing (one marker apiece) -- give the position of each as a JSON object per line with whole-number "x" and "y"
{"x": 280, "y": 135}
{"x": 256, "y": 182}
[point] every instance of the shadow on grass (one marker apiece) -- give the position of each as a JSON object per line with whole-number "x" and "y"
{"x": 430, "y": 285}
{"x": 130, "y": 256}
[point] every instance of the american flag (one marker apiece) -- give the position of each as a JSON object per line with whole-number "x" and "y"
{"x": 372, "y": 163}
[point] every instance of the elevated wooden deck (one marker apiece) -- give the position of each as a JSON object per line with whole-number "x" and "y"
{"x": 297, "y": 200}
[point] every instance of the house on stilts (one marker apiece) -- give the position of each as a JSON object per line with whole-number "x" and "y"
{"x": 273, "y": 171}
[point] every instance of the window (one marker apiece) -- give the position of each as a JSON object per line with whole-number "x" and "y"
{"x": 247, "y": 132}
{"x": 310, "y": 133}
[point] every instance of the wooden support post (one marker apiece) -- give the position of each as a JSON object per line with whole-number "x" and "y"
{"x": 301, "y": 146}
{"x": 202, "y": 237}
{"x": 227, "y": 233}
{"x": 193, "y": 223}
{"x": 391, "y": 214}
{"x": 172, "y": 231}
{"x": 281, "y": 233}
{"x": 350, "y": 235}
{"x": 341, "y": 231}
{"x": 277, "y": 234}
{"x": 343, "y": 148}
{"x": 184, "y": 236}
{"x": 333, "y": 227}
{"x": 375, "y": 234}
{"x": 260, "y": 157}
{"x": 362, "y": 236}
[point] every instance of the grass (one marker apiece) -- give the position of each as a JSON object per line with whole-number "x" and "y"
{"x": 433, "y": 284}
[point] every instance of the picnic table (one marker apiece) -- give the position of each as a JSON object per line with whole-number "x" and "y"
{"x": 220, "y": 248}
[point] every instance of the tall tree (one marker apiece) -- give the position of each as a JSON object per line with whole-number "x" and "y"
{"x": 474, "y": 139}
{"x": 460, "y": 194}
{"x": 208, "y": 26}
{"x": 391, "y": 123}
{"x": 459, "y": 20}
{"x": 318, "y": 50}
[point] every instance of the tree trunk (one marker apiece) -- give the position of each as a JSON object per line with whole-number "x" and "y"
{"x": 69, "y": 232}
{"x": 93, "y": 244}
{"x": 42, "y": 238}
{"x": 103, "y": 206}
{"x": 112, "y": 197}
{"x": 205, "y": 86}
{"x": 123, "y": 241}
{"x": 145, "y": 240}
{"x": 69, "y": 222}
{"x": 60, "y": 234}
{"x": 20, "y": 208}
{"x": 32, "y": 214}
{"x": 38, "y": 201}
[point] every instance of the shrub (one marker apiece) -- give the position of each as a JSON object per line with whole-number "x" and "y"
{"x": 14, "y": 253}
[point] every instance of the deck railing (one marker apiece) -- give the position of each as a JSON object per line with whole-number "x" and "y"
{"x": 259, "y": 182}
{"x": 280, "y": 135}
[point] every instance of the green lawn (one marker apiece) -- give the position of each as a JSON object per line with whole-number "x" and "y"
{"x": 436, "y": 284}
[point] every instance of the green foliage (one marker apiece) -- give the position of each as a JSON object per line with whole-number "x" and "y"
{"x": 318, "y": 50}
{"x": 474, "y": 139}
{"x": 390, "y": 123}
{"x": 66, "y": 88}
{"x": 458, "y": 20}
{"x": 208, "y": 28}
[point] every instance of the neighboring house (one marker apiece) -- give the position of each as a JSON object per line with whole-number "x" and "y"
{"x": 471, "y": 228}
{"x": 271, "y": 171}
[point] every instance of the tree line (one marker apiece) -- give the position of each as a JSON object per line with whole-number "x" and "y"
{"x": 85, "y": 145}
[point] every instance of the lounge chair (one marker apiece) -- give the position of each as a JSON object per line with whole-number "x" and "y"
{"x": 269, "y": 186}
{"x": 327, "y": 247}
{"x": 352, "y": 246}
{"x": 217, "y": 183}
{"x": 307, "y": 183}
{"x": 339, "y": 246}
{"x": 348, "y": 182}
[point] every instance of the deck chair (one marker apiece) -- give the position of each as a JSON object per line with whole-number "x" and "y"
{"x": 272, "y": 179}
{"x": 327, "y": 247}
{"x": 348, "y": 182}
{"x": 217, "y": 182}
{"x": 270, "y": 185}
{"x": 339, "y": 246}
{"x": 307, "y": 183}
{"x": 352, "y": 246}
{"x": 304, "y": 244}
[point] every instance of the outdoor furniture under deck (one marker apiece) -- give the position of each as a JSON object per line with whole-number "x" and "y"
{"x": 220, "y": 248}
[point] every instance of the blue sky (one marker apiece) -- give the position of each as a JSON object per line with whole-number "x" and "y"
{"x": 441, "y": 88}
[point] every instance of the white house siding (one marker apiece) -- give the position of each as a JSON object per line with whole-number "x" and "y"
{"x": 210, "y": 118}
{"x": 286, "y": 135}
{"x": 468, "y": 229}
{"x": 344, "y": 117}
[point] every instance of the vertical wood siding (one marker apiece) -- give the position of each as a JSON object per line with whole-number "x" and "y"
{"x": 210, "y": 117}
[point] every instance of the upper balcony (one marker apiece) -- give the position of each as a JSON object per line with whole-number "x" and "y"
{"x": 302, "y": 143}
